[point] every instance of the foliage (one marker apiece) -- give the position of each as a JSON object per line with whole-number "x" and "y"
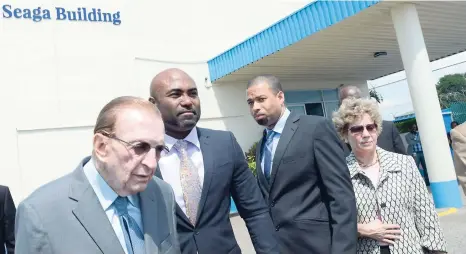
{"x": 451, "y": 88}
{"x": 251, "y": 158}
{"x": 405, "y": 126}
{"x": 376, "y": 95}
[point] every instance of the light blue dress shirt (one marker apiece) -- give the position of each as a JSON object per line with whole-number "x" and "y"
{"x": 106, "y": 196}
{"x": 278, "y": 129}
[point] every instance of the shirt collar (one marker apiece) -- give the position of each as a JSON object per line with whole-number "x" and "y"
{"x": 278, "y": 128}
{"x": 192, "y": 138}
{"x": 102, "y": 190}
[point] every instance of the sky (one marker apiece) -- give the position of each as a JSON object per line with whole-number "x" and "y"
{"x": 395, "y": 91}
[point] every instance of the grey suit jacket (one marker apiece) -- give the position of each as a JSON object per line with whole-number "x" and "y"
{"x": 65, "y": 216}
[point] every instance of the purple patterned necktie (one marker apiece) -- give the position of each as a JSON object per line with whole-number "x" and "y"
{"x": 190, "y": 183}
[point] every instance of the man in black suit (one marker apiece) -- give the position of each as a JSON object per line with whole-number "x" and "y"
{"x": 303, "y": 175}
{"x": 205, "y": 167}
{"x": 7, "y": 219}
{"x": 389, "y": 139}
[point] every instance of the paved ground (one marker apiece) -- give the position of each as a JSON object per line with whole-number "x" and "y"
{"x": 453, "y": 222}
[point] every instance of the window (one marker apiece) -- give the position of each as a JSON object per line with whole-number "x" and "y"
{"x": 331, "y": 107}
{"x": 314, "y": 109}
{"x": 312, "y": 102}
{"x": 300, "y": 110}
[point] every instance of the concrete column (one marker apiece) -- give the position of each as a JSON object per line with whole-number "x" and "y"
{"x": 434, "y": 141}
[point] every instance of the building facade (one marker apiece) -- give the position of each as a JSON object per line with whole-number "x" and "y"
{"x": 62, "y": 61}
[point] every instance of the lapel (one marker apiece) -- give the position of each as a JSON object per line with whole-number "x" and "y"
{"x": 89, "y": 213}
{"x": 386, "y": 160}
{"x": 259, "y": 173}
{"x": 208, "y": 152}
{"x": 387, "y": 165}
{"x": 179, "y": 212}
{"x": 154, "y": 217}
{"x": 290, "y": 128}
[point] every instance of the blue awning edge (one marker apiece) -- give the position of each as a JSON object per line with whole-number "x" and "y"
{"x": 312, "y": 18}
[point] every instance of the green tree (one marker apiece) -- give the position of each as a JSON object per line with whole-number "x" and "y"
{"x": 376, "y": 95}
{"x": 451, "y": 88}
{"x": 251, "y": 157}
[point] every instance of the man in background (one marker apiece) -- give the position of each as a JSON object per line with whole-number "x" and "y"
{"x": 453, "y": 125}
{"x": 458, "y": 141}
{"x": 205, "y": 168}
{"x": 389, "y": 139}
{"x": 415, "y": 149}
{"x": 110, "y": 203}
{"x": 302, "y": 174}
{"x": 7, "y": 220}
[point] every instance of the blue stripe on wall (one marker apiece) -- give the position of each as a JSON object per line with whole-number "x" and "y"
{"x": 446, "y": 194}
{"x": 297, "y": 26}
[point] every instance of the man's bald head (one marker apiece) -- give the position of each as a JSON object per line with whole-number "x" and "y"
{"x": 167, "y": 77}
{"x": 175, "y": 93}
{"x": 350, "y": 91}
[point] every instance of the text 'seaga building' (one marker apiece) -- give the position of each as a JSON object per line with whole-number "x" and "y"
{"x": 81, "y": 14}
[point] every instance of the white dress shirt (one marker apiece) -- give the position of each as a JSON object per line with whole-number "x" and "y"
{"x": 107, "y": 196}
{"x": 169, "y": 164}
{"x": 278, "y": 129}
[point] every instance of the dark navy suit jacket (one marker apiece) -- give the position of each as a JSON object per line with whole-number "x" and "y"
{"x": 310, "y": 194}
{"x": 226, "y": 175}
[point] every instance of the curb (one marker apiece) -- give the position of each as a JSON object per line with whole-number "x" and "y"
{"x": 447, "y": 212}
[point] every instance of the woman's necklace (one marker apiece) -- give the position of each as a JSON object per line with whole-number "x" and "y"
{"x": 368, "y": 165}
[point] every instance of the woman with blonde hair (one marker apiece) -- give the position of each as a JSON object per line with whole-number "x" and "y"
{"x": 396, "y": 213}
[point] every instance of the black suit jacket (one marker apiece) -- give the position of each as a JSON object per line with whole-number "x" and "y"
{"x": 7, "y": 219}
{"x": 389, "y": 139}
{"x": 226, "y": 174}
{"x": 310, "y": 194}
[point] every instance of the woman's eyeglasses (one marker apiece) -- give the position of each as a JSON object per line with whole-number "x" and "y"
{"x": 358, "y": 129}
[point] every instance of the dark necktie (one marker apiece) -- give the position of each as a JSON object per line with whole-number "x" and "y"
{"x": 268, "y": 146}
{"x": 134, "y": 237}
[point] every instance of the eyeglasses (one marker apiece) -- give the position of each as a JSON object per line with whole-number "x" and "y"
{"x": 138, "y": 147}
{"x": 358, "y": 129}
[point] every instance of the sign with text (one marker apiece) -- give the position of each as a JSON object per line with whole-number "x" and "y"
{"x": 82, "y": 14}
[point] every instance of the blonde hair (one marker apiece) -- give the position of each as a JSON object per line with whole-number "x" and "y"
{"x": 352, "y": 109}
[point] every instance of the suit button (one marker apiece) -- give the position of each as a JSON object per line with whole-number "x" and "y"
{"x": 277, "y": 228}
{"x": 197, "y": 233}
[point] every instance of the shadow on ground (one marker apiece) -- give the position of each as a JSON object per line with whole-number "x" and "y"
{"x": 453, "y": 225}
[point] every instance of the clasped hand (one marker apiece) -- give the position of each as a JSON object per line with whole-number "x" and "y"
{"x": 386, "y": 233}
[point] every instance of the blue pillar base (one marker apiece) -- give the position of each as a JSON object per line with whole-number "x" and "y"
{"x": 446, "y": 194}
{"x": 233, "y": 209}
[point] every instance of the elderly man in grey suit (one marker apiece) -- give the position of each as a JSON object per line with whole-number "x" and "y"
{"x": 110, "y": 203}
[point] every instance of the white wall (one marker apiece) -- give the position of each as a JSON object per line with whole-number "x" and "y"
{"x": 56, "y": 75}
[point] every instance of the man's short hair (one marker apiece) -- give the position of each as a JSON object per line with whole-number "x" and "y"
{"x": 108, "y": 115}
{"x": 349, "y": 91}
{"x": 272, "y": 81}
